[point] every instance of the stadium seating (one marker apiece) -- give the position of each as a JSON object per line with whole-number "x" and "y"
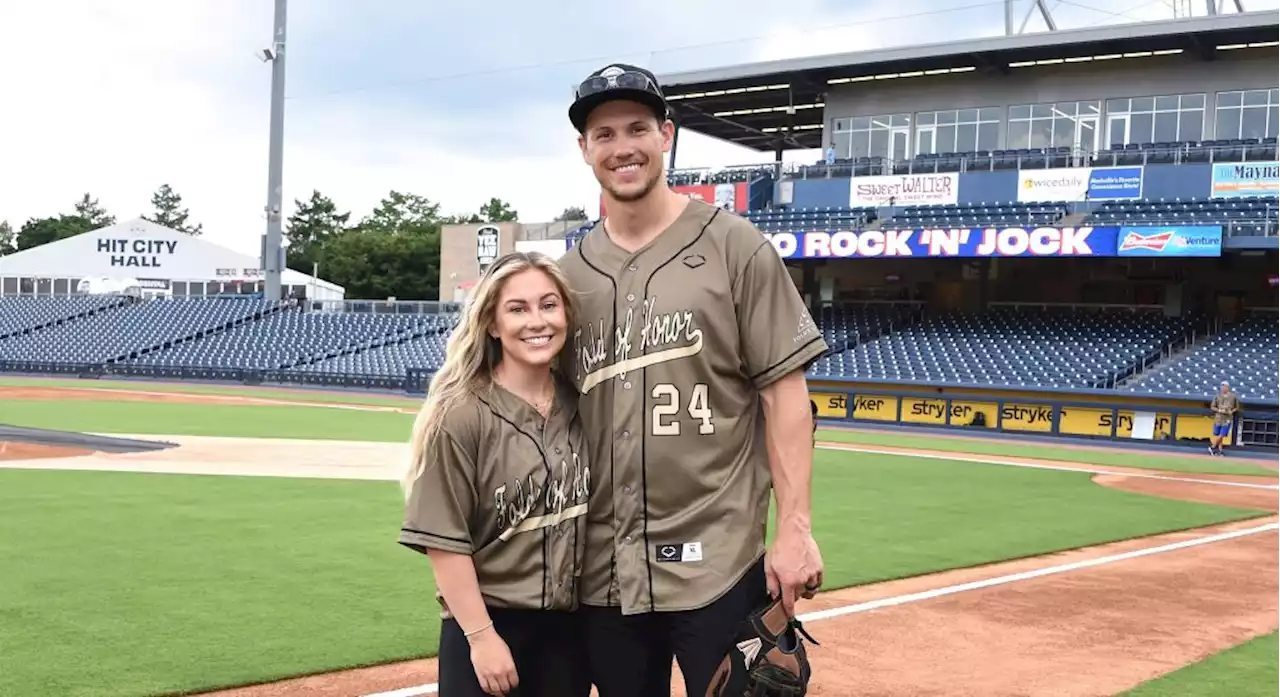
{"x": 18, "y": 314}
{"x": 979, "y": 214}
{"x": 1006, "y": 347}
{"x": 829, "y": 218}
{"x": 388, "y": 360}
{"x": 130, "y": 328}
{"x": 1245, "y": 355}
{"x": 1248, "y": 216}
{"x": 1234, "y": 150}
{"x": 286, "y": 338}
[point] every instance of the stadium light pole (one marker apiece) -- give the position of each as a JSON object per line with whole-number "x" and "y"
{"x": 275, "y": 161}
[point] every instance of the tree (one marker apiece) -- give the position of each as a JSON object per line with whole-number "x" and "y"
{"x": 170, "y": 213}
{"x": 38, "y": 231}
{"x": 400, "y": 212}
{"x": 393, "y": 252}
{"x": 572, "y": 213}
{"x": 89, "y": 209}
{"x": 468, "y": 219}
{"x": 378, "y": 263}
{"x": 6, "y": 238}
{"x": 498, "y": 211}
{"x": 313, "y": 224}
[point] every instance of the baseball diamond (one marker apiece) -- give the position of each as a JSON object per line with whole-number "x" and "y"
{"x": 1028, "y": 288}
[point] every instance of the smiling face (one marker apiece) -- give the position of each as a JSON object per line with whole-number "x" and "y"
{"x": 529, "y": 319}
{"x": 624, "y": 142}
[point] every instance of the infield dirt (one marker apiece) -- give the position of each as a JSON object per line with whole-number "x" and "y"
{"x": 1094, "y": 631}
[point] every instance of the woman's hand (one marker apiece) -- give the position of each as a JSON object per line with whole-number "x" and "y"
{"x": 491, "y": 658}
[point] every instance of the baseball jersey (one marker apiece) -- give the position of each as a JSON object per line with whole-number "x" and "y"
{"x": 1224, "y": 407}
{"x": 509, "y": 489}
{"x": 672, "y": 345}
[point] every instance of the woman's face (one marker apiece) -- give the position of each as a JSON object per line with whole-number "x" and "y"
{"x": 529, "y": 319}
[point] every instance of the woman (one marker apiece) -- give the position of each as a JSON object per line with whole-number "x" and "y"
{"x": 496, "y": 489}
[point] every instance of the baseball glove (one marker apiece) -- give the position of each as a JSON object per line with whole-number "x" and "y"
{"x": 769, "y": 660}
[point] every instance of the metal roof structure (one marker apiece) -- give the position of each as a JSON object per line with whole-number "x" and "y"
{"x": 779, "y": 104}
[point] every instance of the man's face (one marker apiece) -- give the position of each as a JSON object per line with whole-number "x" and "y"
{"x": 624, "y": 143}
{"x": 1225, "y": 388}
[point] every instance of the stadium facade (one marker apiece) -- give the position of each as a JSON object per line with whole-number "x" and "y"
{"x": 465, "y": 250}
{"x": 150, "y": 259}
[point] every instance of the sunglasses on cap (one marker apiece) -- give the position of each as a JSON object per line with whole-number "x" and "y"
{"x": 627, "y": 80}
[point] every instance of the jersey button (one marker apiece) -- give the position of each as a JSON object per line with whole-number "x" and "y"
{"x": 626, "y": 385}
{"x": 626, "y": 488}
{"x": 631, "y": 297}
{"x": 633, "y": 267}
{"x": 627, "y": 539}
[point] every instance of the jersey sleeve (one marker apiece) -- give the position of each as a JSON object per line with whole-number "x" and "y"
{"x": 776, "y": 332}
{"x": 439, "y": 506}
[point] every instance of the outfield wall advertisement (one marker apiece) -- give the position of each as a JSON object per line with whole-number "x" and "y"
{"x": 1013, "y": 415}
{"x": 1174, "y": 241}
{"x": 1079, "y": 184}
{"x": 1240, "y": 179}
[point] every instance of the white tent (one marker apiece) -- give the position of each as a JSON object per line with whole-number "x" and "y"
{"x": 153, "y": 256}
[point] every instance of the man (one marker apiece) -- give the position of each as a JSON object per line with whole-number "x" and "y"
{"x": 1224, "y": 406}
{"x": 690, "y": 354}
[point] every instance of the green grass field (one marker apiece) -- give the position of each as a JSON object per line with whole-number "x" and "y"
{"x": 1251, "y": 669}
{"x": 129, "y": 584}
{"x": 159, "y": 583}
{"x": 272, "y": 421}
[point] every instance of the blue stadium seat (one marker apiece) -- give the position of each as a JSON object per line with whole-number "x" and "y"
{"x": 1254, "y": 216}
{"x": 130, "y": 328}
{"x": 291, "y": 337}
{"x": 1011, "y": 347}
{"x": 1000, "y": 214}
{"x": 20, "y": 314}
{"x": 810, "y": 219}
{"x": 1245, "y": 355}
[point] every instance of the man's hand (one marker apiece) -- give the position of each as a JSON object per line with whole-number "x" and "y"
{"x": 793, "y": 567}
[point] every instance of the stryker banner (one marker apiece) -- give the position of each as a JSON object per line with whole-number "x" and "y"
{"x": 1200, "y": 241}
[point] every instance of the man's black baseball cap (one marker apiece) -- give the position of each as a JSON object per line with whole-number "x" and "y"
{"x": 617, "y": 81}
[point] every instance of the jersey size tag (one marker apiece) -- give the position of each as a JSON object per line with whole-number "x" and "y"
{"x": 682, "y": 552}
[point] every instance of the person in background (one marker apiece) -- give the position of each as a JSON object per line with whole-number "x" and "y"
{"x": 1224, "y": 406}
{"x": 497, "y": 487}
{"x": 831, "y": 154}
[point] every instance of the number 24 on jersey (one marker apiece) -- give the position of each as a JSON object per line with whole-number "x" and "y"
{"x": 670, "y": 402}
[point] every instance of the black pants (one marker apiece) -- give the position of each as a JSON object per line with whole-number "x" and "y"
{"x": 546, "y": 646}
{"x": 630, "y": 656}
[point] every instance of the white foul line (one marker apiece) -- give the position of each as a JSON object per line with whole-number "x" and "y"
{"x": 1029, "y": 465}
{"x": 433, "y": 688}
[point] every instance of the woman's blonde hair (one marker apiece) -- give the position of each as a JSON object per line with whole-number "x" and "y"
{"x": 471, "y": 353}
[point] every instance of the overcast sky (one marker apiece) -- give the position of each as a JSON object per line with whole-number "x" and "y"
{"x": 457, "y": 101}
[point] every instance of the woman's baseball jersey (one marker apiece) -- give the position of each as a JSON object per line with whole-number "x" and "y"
{"x": 509, "y": 489}
{"x": 672, "y": 346}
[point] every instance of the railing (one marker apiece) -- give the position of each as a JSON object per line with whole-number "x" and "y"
{"x": 1043, "y": 158}
{"x": 383, "y": 307}
{"x": 1230, "y": 228}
